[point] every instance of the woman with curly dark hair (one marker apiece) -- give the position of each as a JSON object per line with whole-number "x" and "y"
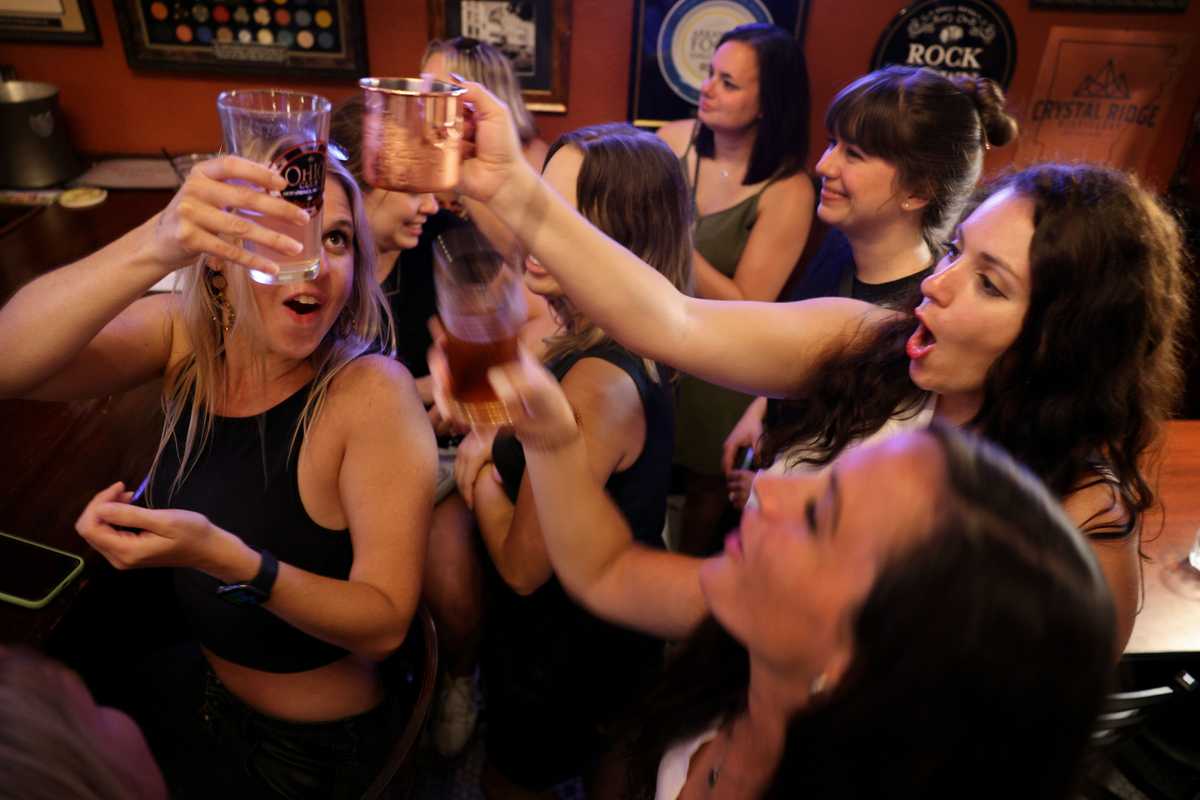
{"x": 918, "y": 615}
{"x": 1051, "y": 325}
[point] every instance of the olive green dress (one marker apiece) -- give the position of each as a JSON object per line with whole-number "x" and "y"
{"x": 705, "y": 414}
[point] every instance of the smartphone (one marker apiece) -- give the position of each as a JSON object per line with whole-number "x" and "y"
{"x": 31, "y": 574}
{"x": 743, "y": 458}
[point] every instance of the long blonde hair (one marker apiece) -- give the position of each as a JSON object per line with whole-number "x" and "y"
{"x": 483, "y": 63}
{"x": 45, "y": 750}
{"x": 197, "y": 383}
{"x": 632, "y": 188}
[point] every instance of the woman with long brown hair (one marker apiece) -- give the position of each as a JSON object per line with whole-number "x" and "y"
{"x": 744, "y": 159}
{"x": 555, "y": 674}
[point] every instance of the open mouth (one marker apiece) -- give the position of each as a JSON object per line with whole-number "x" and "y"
{"x": 303, "y": 304}
{"x": 920, "y": 343}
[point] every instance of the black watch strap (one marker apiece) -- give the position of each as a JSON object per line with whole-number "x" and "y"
{"x": 258, "y": 589}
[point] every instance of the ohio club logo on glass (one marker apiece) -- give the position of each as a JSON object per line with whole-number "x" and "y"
{"x": 971, "y": 37}
{"x": 303, "y": 166}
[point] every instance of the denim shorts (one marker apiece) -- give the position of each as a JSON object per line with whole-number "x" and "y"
{"x": 278, "y": 758}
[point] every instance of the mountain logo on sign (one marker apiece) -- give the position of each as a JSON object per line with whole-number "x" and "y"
{"x": 1108, "y": 85}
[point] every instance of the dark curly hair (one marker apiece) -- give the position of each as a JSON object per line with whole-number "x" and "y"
{"x": 1003, "y": 682}
{"x": 1095, "y": 369}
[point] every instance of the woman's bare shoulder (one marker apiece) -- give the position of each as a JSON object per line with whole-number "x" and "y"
{"x": 677, "y": 134}
{"x": 369, "y": 375}
{"x": 794, "y": 189}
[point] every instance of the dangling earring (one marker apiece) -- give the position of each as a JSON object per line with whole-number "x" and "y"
{"x": 216, "y": 287}
{"x": 818, "y": 685}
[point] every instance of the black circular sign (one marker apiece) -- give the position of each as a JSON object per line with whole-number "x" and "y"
{"x": 970, "y": 37}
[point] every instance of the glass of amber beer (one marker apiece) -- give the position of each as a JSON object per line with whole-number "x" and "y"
{"x": 481, "y": 307}
{"x": 289, "y": 132}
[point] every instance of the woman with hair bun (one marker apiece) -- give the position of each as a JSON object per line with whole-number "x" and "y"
{"x": 906, "y": 148}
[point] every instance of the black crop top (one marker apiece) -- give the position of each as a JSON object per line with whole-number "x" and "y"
{"x": 245, "y": 480}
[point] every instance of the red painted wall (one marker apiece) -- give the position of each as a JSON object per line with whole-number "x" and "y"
{"x": 113, "y": 109}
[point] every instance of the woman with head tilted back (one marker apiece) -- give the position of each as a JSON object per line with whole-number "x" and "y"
{"x": 293, "y": 483}
{"x": 905, "y": 151}
{"x": 555, "y": 674}
{"x": 1051, "y": 325}
{"x": 918, "y": 615}
{"x": 744, "y": 158}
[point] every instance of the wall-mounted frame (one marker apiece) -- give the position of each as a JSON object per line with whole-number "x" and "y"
{"x": 297, "y": 39}
{"x": 535, "y": 34}
{"x": 66, "y": 21}
{"x": 1104, "y": 6}
{"x": 673, "y": 41}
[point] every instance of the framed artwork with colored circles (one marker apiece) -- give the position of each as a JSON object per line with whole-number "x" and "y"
{"x": 309, "y": 38}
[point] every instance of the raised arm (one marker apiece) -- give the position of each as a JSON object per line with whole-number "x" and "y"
{"x": 385, "y": 485}
{"x": 759, "y": 348}
{"x": 587, "y": 540}
{"x": 613, "y": 426}
{"x": 78, "y": 332}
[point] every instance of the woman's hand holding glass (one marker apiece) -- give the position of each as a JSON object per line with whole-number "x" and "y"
{"x": 199, "y": 221}
{"x": 541, "y": 415}
{"x": 491, "y": 149}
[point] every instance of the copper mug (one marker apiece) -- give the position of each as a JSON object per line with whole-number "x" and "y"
{"x": 412, "y": 134}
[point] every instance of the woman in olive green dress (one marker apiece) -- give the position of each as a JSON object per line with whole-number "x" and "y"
{"x": 744, "y": 157}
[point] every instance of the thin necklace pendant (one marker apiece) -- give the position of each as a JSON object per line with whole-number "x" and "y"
{"x": 714, "y": 775}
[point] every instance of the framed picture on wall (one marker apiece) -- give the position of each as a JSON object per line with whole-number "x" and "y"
{"x": 67, "y": 21}
{"x": 285, "y": 38}
{"x": 534, "y": 34}
{"x": 673, "y": 41}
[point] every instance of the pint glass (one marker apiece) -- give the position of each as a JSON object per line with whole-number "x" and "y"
{"x": 481, "y": 307}
{"x": 289, "y": 132}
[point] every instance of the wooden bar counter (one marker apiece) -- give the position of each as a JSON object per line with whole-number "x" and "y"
{"x": 56, "y": 456}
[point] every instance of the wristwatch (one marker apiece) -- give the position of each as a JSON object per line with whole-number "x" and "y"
{"x": 258, "y": 589}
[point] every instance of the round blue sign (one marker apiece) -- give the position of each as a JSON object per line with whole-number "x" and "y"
{"x": 689, "y": 35}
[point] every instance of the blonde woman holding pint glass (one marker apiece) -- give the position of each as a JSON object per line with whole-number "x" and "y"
{"x": 292, "y": 487}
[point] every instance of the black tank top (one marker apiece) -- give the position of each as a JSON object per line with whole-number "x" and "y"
{"x": 557, "y": 676}
{"x": 245, "y": 480}
{"x": 640, "y": 490}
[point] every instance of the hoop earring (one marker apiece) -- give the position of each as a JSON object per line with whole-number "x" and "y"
{"x": 224, "y": 315}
